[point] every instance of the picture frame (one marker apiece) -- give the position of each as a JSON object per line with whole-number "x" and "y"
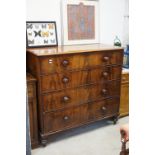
{"x": 41, "y": 34}
{"x": 80, "y": 22}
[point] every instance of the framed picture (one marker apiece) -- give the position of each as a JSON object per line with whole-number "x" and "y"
{"x": 41, "y": 34}
{"x": 80, "y": 20}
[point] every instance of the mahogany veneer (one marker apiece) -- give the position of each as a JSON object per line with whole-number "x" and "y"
{"x": 77, "y": 85}
{"x": 124, "y": 100}
{"x": 32, "y": 106}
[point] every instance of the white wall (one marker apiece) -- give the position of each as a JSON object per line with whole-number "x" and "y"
{"x": 44, "y": 10}
{"x": 111, "y": 17}
{"x": 112, "y": 20}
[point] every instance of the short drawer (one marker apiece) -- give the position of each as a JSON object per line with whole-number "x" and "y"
{"x": 79, "y": 78}
{"x": 61, "y": 120}
{"x": 104, "y": 108}
{"x": 57, "y": 64}
{"x": 70, "y": 97}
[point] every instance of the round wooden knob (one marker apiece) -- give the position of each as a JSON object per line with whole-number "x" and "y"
{"x": 106, "y": 58}
{"x": 103, "y": 108}
{"x": 66, "y": 98}
{"x": 65, "y": 63}
{"x": 105, "y": 74}
{"x": 104, "y": 91}
{"x": 66, "y": 118}
{"x": 65, "y": 80}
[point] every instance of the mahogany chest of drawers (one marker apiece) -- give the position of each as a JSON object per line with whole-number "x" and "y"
{"x": 76, "y": 85}
{"x": 32, "y": 109}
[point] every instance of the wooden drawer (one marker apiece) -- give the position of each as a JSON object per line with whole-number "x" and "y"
{"x": 105, "y": 108}
{"x": 33, "y": 122}
{"x": 124, "y": 101}
{"x": 78, "y": 78}
{"x": 56, "y": 64}
{"x": 30, "y": 90}
{"x": 61, "y": 120}
{"x": 69, "y": 97}
{"x": 32, "y": 109}
{"x": 125, "y": 77}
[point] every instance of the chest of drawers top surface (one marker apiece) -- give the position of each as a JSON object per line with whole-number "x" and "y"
{"x": 71, "y": 49}
{"x": 64, "y": 58}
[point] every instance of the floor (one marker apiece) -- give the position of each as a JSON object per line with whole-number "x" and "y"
{"x": 100, "y": 138}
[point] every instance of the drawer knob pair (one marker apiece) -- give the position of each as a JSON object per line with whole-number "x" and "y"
{"x": 66, "y": 98}
{"x": 65, "y": 63}
{"x": 65, "y": 80}
{"x": 66, "y": 118}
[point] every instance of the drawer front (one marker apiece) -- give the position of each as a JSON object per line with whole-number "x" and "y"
{"x": 56, "y": 64}
{"x": 30, "y": 90}
{"x": 64, "y": 119}
{"x": 72, "y": 117}
{"x": 69, "y": 97}
{"x": 124, "y": 101}
{"x": 33, "y": 121}
{"x": 105, "y": 108}
{"x": 125, "y": 77}
{"x": 78, "y": 78}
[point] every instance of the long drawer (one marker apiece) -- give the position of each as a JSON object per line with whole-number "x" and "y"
{"x": 70, "y": 97}
{"x": 77, "y": 78}
{"x": 61, "y": 120}
{"x": 56, "y": 64}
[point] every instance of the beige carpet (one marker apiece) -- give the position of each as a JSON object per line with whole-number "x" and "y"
{"x": 101, "y": 138}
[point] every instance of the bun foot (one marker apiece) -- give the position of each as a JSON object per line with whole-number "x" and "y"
{"x": 115, "y": 119}
{"x": 44, "y": 142}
